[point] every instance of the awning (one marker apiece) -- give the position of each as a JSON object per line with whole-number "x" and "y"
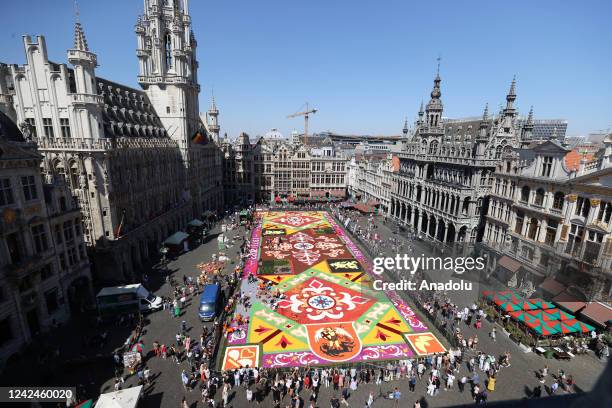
{"x": 195, "y": 223}
{"x": 598, "y": 313}
{"x": 552, "y": 286}
{"x": 509, "y": 263}
{"x": 317, "y": 193}
{"x": 338, "y": 193}
{"x": 373, "y": 202}
{"x": 176, "y": 239}
{"x": 364, "y": 208}
{"x": 127, "y": 398}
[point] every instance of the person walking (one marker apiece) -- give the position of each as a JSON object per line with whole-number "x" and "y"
{"x": 450, "y": 381}
{"x": 462, "y": 383}
{"x": 370, "y": 400}
{"x": 554, "y": 387}
{"x": 491, "y": 383}
{"x": 543, "y": 374}
{"x": 396, "y": 396}
{"x": 185, "y": 379}
{"x": 493, "y": 334}
{"x": 345, "y": 396}
{"x": 431, "y": 388}
{"x": 225, "y": 396}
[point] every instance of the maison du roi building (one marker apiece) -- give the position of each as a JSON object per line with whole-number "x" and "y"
{"x": 487, "y": 181}
{"x": 140, "y": 162}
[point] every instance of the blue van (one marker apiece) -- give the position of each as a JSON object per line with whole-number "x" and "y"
{"x": 209, "y": 302}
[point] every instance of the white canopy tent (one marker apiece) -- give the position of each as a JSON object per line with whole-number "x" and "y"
{"x": 127, "y": 398}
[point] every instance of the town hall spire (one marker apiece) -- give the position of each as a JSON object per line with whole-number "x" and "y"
{"x": 434, "y": 106}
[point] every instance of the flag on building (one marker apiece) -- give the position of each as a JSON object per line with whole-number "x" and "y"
{"x": 118, "y": 232}
{"x": 199, "y": 137}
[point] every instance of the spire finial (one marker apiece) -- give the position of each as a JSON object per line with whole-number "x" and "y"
{"x": 213, "y": 104}
{"x": 77, "y": 13}
{"x": 485, "y": 114}
{"x": 421, "y": 108}
{"x": 512, "y": 91}
{"x": 405, "y": 129}
{"x": 80, "y": 42}
{"x": 438, "y": 68}
{"x": 530, "y": 116}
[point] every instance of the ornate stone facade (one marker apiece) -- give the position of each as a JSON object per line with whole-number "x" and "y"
{"x": 44, "y": 268}
{"x": 445, "y": 170}
{"x": 272, "y": 168}
{"x": 555, "y": 222}
{"x": 370, "y": 179}
{"x": 129, "y": 156}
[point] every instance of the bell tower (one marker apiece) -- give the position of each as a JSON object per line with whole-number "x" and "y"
{"x": 166, "y": 50}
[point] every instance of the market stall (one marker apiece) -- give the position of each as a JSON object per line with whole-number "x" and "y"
{"x": 127, "y": 398}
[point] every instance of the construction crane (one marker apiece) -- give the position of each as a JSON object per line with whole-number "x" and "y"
{"x": 305, "y": 114}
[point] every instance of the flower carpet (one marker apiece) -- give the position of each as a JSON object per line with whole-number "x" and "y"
{"x": 328, "y": 312}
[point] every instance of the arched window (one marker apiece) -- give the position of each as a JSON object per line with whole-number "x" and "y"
{"x": 532, "y": 232}
{"x": 539, "y": 196}
{"x": 74, "y": 174}
{"x": 498, "y": 151}
{"x": 558, "y": 200}
{"x": 525, "y": 194}
{"x": 168, "y": 49}
{"x": 433, "y": 147}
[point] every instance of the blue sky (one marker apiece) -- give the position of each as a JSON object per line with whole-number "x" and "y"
{"x": 364, "y": 64}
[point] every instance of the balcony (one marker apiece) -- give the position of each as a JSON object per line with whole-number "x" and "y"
{"x": 86, "y": 99}
{"x": 26, "y": 265}
{"x": 85, "y": 144}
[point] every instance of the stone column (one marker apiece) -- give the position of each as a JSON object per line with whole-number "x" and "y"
{"x": 593, "y": 211}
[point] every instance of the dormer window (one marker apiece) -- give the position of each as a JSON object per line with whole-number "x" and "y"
{"x": 547, "y": 166}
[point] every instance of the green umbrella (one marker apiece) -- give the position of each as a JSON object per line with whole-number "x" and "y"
{"x": 563, "y": 328}
{"x": 525, "y": 305}
{"x": 541, "y": 314}
{"x": 487, "y": 293}
{"x": 558, "y": 314}
{"x": 522, "y": 316}
{"x": 541, "y": 327}
{"x": 492, "y": 297}
{"x": 581, "y": 326}
{"x": 506, "y": 306}
{"x": 511, "y": 295}
{"x": 541, "y": 303}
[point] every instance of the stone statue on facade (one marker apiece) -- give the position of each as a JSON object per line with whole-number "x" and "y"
{"x": 27, "y": 130}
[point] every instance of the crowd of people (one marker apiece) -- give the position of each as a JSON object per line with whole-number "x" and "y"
{"x": 465, "y": 367}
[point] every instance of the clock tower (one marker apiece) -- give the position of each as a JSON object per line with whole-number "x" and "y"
{"x": 168, "y": 67}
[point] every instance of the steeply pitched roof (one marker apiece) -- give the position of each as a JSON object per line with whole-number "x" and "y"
{"x": 9, "y": 130}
